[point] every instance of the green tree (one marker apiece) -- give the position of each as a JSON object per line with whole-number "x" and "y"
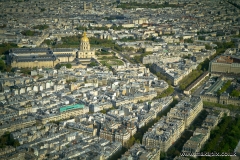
{"x": 235, "y": 93}
{"x": 43, "y": 9}
{"x": 130, "y": 142}
{"x": 30, "y": 33}
{"x": 190, "y": 40}
{"x": 68, "y": 65}
{"x": 104, "y": 111}
{"x": 47, "y": 41}
{"x": 4, "y": 47}
{"x": 3, "y": 26}
{"x": 201, "y": 38}
{"x": 208, "y": 47}
{"x": 2, "y": 65}
{"x": 92, "y": 64}
{"x": 81, "y": 28}
{"x": 41, "y": 27}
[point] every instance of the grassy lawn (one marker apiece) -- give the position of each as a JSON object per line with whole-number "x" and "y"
{"x": 109, "y": 63}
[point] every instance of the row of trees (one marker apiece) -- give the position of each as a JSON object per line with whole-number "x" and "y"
{"x": 224, "y": 87}
{"x": 229, "y": 106}
{"x": 186, "y": 81}
{"x": 169, "y": 91}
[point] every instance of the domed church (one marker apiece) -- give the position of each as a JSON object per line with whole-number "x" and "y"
{"x": 84, "y": 50}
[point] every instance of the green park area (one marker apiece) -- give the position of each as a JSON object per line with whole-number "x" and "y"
{"x": 102, "y": 53}
{"x": 223, "y": 138}
{"x": 110, "y": 61}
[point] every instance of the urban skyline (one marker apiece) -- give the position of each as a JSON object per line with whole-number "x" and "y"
{"x": 119, "y": 79}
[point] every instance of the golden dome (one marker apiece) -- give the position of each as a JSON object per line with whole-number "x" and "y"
{"x": 84, "y": 38}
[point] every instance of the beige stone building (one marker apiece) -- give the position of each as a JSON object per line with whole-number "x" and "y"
{"x": 187, "y": 110}
{"x": 40, "y": 57}
{"x": 164, "y": 133}
{"x": 19, "y": 124}
{"x": 225, "y": 64}
{"x": 61, "y": 115}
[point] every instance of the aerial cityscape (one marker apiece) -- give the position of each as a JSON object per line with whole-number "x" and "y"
{"x": 120, "y": 79}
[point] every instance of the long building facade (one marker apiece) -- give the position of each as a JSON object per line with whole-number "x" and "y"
{"x": 225, "y": 64}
